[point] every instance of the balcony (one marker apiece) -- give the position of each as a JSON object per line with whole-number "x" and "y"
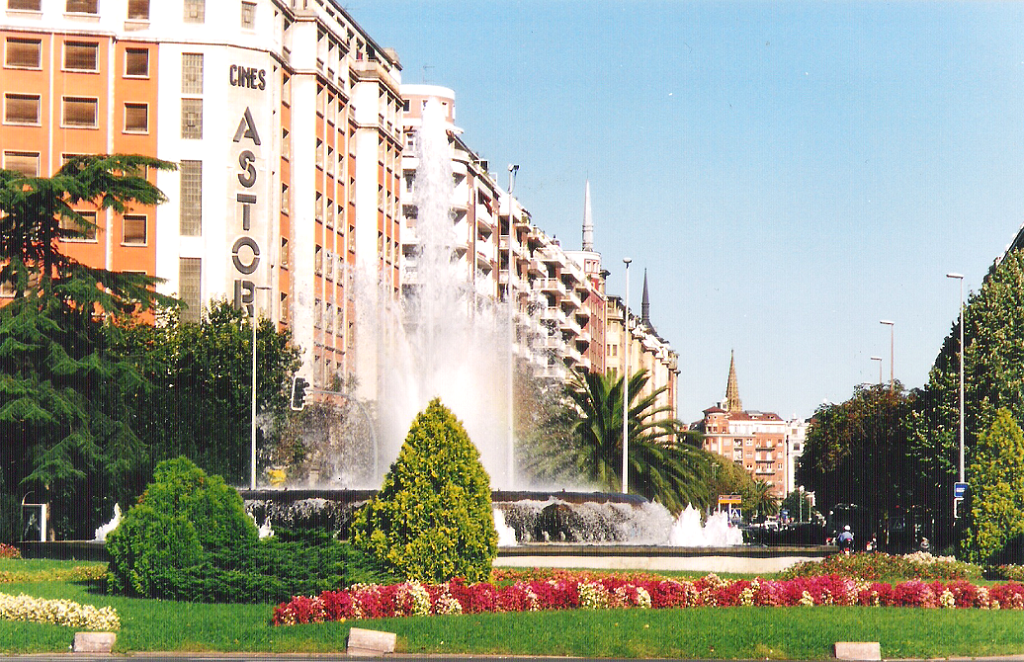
{"x": 569, "y": 324}
{"x": 551, "y": 285}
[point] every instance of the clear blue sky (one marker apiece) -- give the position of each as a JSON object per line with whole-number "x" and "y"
{"x": 788, "y": 173}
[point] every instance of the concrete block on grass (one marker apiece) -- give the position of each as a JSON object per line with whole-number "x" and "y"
{"x": 93, "y": 642}
{"x": 858, "y": 650}
{"x": 370, "y": 642}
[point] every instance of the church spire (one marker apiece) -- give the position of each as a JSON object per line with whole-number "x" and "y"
{"x": 732, "y": 390}
{"x": 645, "y": 305}
{"x": 588, "y": 222}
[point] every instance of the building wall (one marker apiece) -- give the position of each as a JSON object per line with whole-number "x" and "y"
{"x": 297, "y": 127}
{"x": 756, "y": 441}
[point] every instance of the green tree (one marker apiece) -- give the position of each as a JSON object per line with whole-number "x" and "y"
{"x": 855, "y": 450}
{"x": 661, "y": 467}
{"x": 994, "y": 379}
{"x": 996, "y": 512}
{"x": 432, "y": 519}
{"x": 760, "y": 500}
{"x": 799, "y": 505}
{"x": 197, "y": 396}
{"x": 727, "y": 477}
{"x": 184, "y": 518}
{"x": 67, "y": 430}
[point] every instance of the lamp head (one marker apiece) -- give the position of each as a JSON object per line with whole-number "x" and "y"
{"x": 627, "y": 260}
{"x": 953, "y": 275}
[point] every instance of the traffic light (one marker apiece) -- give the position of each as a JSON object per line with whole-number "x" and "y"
{"x": 299, "y": 386}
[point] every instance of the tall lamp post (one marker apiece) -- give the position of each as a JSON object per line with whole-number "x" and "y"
{"x": 879, "y": 359}
{"x": 892, "y": 352}
{"x": 512, "y": 170}
{"x": 252, "y": 449}
{"x": 960, "y": 277}
{"x": 625, "y": 387}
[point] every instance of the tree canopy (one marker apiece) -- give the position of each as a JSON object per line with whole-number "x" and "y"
{"x": 661, "y": 467}
{"x": 855, "y": 450}
{"x": 63, "y": 416}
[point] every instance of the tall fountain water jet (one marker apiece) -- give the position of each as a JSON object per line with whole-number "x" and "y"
{"x": 442, "y": 341}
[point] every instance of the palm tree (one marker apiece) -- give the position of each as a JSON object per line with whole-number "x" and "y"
{"x": 660, "y": 467}
{"x": 761, "y": 499}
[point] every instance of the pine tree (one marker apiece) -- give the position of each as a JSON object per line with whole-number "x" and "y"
{"x": 432, "y": 519}
{"x": 64, "y": 422}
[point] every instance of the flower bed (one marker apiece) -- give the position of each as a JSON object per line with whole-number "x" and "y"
{"x": 589, "y": 591}
{"x": 919, "y": 565}
{"x": 58, "y": 612}
{"x": 79, "y": 573}
{"x": 9, "y": 551}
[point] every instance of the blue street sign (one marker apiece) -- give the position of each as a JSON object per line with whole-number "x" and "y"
{"x": 959, "y": 490}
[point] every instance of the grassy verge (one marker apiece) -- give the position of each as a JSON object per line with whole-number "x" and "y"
{"x": 742, "y": 632}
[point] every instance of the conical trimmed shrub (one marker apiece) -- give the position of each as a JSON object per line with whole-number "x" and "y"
{"x": 432, "y": 519}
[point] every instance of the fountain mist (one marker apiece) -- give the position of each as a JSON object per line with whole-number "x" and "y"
{"x": 444, "y": 342}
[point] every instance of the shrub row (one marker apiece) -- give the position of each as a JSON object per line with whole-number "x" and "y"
{"x": 9, "y": 551}
{"x": 58, "y": 612}
{"x": 79, "y": 573}
{"x": 918, "y": 565}
{"x": 608, "y": 592}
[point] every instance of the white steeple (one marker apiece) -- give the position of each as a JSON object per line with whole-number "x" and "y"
{"x": 588, "y": 222}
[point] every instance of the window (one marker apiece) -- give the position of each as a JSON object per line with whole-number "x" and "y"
{"x": 248, "y": 15}
{"x": 286, "y": 144}
{"x": 27, "y": 5}
{"x": 191, "y": 73}
{"x": 79, "y": 231}
{"x": 81, "y": 56}
{"x": 136, "y": 62}
{"x": 83, "y": 6}
{"x": 27, "y": 163}
{"x": 195, "y": 11}
{"x": 134, "y": 233}
{"x": 23, "y": 53}
{"x": 284, "y": 253}
{"x": 190, "y": 213}
{"x": 21, "y": 108}
{"x": 138, "y": 9}
{"x": 190, "y": 273}
{"x": 80, "y": 112}
{"x": 136, "y": 118}
{"x": 192, "y": 118}
{"x": 318, "y": 261}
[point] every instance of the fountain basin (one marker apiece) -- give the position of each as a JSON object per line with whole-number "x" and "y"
{"x": 744, "y": 559}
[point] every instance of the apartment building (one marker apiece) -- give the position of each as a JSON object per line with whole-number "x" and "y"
{"x": 284, "y": 118}
{"x": 475, "y": 200}
{"x": 760, "y": 442}
{"x": 558, "y": 296}
{"x": 646, "y": 351}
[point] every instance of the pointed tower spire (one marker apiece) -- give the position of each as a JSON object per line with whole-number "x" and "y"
{"x": 645, "y": 305}
{"x": 588, "y": 222}
{"x": 732, "y": 390}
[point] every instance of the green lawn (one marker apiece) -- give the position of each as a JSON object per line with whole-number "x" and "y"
{"x": 740, "y": 632}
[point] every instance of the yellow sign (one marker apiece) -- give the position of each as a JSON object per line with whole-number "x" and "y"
{"x": 726, "y": 499}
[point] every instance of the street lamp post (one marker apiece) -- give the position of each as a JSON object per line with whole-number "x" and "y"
{"x": 252, "y": 449}
{"x": 892, "y": 352}
{"x": 625, "y": 387}
{"x": 879, "y": 359}
{"x": 961, "y": 279}
{"x": 512, "y": 170}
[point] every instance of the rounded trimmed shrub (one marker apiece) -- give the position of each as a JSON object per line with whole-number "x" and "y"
{"x": 183, "y": 519}
{"x": 432, "y": 519}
